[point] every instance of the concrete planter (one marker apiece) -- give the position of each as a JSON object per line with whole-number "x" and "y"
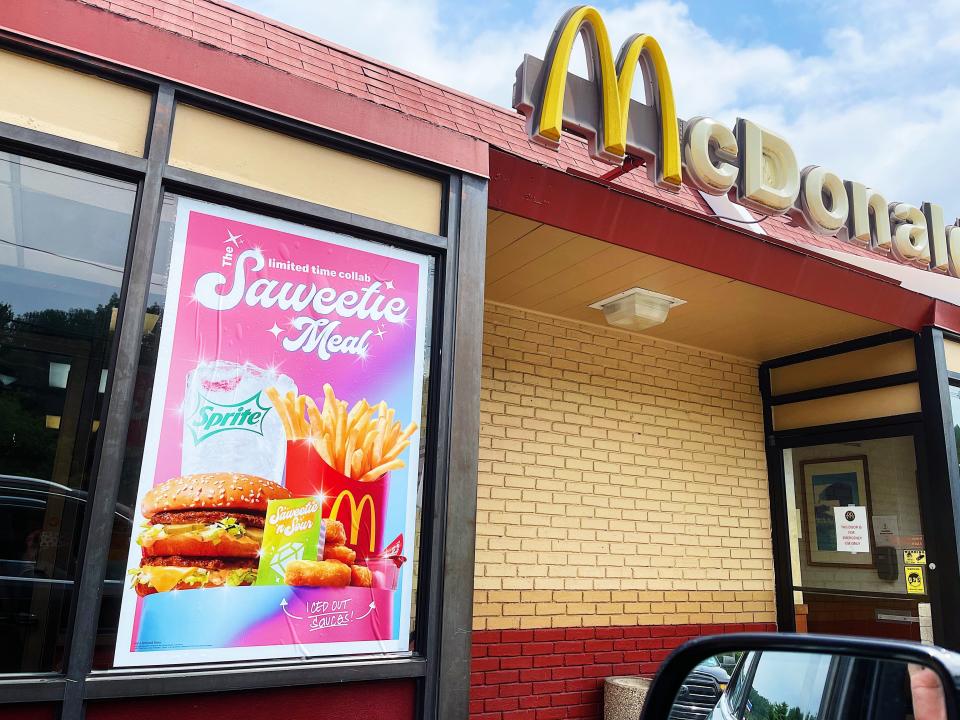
{"x": 623, "y": 697}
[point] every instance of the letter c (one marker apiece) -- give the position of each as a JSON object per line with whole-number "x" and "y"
{"x": 705, "y": 143}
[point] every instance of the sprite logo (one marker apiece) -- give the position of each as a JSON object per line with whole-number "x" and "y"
{"x": 211, "y": 418}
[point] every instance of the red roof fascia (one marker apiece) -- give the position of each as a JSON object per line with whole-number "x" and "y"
{"x": 597, "y": 210}
{"x": 157, "y": 45}
{"x": 946, "y": 316}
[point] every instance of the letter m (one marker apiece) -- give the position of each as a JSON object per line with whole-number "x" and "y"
{"x": 356, "y": 515}
{"x": 600, "y": 108}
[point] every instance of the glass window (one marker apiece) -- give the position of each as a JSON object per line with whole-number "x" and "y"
{"x": 787, "y": 685}
{"x": 854, "y": 516}
{"x": 955, "y": 408}
{"x": 253, "y": 338}
{"x": 740, "y": 682}
{"x": 63, "y": 245}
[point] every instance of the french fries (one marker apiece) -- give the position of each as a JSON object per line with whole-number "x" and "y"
{"x": 363, "y": 442}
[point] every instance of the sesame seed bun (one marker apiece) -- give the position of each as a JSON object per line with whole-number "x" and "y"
{"x": 235, "y": 491}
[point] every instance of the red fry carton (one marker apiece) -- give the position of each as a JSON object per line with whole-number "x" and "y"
{"x": 360, "y": 506}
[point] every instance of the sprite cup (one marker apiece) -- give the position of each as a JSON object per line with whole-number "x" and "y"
{"x": 229, "y": 424}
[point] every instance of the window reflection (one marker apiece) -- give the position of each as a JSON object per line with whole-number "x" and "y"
{"x": 955, "y": 407}
{"x": 788, "y": 686}
{"x": 63, "y": 245}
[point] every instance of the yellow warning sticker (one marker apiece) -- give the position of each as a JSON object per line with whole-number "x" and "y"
{"x": 914, "y": 578}
{"x": 917, "y": 556}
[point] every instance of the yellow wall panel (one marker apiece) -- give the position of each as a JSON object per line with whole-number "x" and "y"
{"x": 622, "y": 480}
{"x": 952, "y": 351}
{"x": 233, "y": 150}
{"x": 55, "y": 100}
{"x": 882, "y": 402}
{"x": 889, "y": 359}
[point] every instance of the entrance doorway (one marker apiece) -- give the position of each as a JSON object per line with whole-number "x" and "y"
{"x": 857, "y": 546}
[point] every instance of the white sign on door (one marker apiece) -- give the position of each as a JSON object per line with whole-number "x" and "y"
{"x": 852, "y": 533}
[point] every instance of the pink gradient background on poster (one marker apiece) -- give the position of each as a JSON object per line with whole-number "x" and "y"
{"x": 241, "y": 334}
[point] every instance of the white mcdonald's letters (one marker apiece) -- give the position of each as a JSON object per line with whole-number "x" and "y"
{"x": 752, "y": 164}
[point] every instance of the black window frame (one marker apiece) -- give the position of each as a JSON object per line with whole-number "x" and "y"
{"x": 440, "y": 662}
{"x": 744, "y": 675}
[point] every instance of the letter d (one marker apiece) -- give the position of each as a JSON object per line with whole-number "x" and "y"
{"x": 769, "y": 177}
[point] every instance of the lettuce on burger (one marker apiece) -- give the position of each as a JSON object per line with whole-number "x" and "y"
{"x": 203, "y": 531}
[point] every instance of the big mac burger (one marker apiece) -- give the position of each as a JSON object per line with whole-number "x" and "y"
{"x": 203, "y": 531}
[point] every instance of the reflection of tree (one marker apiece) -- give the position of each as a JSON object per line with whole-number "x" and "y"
{"x": 27, "y": 447}
{"x": 24, "y": 446}
{"x": 76, "y": 322}
{"x": 956, "y": 435}
{"x": 763, "y": 709}
{"x": 779, "y": 711}
{"x": 6, "y": 316}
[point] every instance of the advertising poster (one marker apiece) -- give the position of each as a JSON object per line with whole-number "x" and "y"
{"x": 277, "y": 496}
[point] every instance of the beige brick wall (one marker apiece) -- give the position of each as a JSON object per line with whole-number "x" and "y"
{"x": 622, "y": 480}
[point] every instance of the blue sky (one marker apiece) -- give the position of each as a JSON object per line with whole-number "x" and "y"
{"x": 792, "y": 24}
{"x": 866, "y": 88}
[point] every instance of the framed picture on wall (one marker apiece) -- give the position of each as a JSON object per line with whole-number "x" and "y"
{"x": 827, "y": 484}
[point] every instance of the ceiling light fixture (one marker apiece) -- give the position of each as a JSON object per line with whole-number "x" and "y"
{"x": 636, "y": 308}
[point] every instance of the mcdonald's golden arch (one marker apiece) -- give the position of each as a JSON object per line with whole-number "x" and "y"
{"x": 356, "y": 516}
{"x": 751, "y": 164}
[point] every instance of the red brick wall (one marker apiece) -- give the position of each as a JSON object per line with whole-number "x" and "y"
{"x": 557, "y": 673}
{"x": 383, "y": 700}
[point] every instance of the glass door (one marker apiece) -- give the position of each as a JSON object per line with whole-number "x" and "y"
{"x": 856, "y": 539}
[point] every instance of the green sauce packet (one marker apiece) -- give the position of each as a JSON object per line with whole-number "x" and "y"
{"x": 294, "y": 530}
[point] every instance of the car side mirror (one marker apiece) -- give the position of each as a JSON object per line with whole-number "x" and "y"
{"x": 788, "y": 677}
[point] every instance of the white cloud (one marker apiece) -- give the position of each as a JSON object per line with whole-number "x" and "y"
{"x": 879, "y": 103}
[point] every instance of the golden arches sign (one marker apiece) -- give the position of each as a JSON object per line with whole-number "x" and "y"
{"x": 751, "y": 163}
{"x": 356, "y": 513}
{"x": 611, "y": 126}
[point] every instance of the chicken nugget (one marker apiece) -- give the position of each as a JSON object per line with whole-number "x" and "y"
{"x": 314, "y": 573}
{"x": 361, "y": 576}
{"x": 340, "y": 552}
{"x": 336, "y": 535}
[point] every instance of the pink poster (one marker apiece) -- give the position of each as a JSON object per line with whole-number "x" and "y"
{"x": 277, "y": 497}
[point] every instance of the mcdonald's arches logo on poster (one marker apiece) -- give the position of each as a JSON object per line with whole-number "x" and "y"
{"x": 356, "y": 515}
{"x": 754, "y": 165}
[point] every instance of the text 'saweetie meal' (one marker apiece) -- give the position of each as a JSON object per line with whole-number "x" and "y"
{"x": 203, "y": 531}
{"x": 355, "y": 443}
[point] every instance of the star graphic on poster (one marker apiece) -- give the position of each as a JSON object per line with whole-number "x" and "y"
{"x": 389, "y": 284}
{"x": 231, "y": 238}
{"x": 275, "y": 330}
{"x": 380, "y": 332}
